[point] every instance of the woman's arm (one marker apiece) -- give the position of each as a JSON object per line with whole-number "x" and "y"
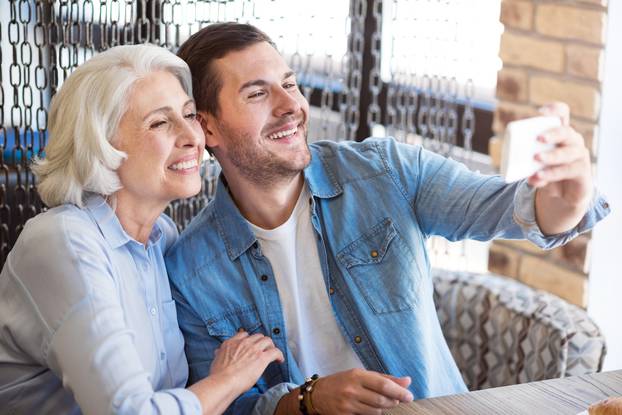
{"x": 88, "y": 344}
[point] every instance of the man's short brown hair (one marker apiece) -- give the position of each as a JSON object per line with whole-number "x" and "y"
{"x": 211, "y": 43}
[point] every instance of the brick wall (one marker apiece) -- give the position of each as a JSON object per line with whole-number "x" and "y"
{"x": 551, "y": 51}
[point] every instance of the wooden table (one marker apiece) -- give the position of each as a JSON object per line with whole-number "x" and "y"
{"x": 557, "y": 396}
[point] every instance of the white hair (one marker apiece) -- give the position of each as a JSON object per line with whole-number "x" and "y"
{"x": 84, "y": 117}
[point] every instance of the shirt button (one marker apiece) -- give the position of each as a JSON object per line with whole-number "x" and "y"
{"x": 264, "y": 278}
{"x": 162, "y": 355}
{"x": 276, "y": 331}
{"x": 358, "y": 339}
{"x": 331, "y": 291}
{"x": 153, "y": 311}
{"x": 606, "y": 205}
{"x": 374, "y": 253}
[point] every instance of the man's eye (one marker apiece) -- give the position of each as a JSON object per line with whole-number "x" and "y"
{"x": 257, "y": 94}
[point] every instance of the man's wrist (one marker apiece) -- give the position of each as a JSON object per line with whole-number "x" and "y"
{"x": 288, "y": 404}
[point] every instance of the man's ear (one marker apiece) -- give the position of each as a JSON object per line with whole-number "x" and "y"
{"x": 207, "y": 122}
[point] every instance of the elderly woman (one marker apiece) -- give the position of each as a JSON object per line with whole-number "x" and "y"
{"x": 87, "y": 323}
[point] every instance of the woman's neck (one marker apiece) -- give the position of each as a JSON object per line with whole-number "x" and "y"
{"x": 137, "y": 217}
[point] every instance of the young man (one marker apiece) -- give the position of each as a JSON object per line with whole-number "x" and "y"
{"x": 322, "y": 247}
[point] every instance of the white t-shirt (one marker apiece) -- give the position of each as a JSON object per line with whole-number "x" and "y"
{"x": 314, "y": 338}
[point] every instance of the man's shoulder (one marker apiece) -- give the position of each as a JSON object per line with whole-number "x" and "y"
{"x": 368, "y": 147}
{"x": 348, "y": 160}
{"x": 200, "y": 236}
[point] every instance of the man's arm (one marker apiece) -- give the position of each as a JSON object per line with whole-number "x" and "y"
{"x": 355, "y": 391}
{"x": 200, "y": 351}
{"x": 456, "y": 203}
{"x": 564, "y": 185}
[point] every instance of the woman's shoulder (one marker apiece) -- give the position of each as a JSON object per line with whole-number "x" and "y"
{"x": 62, "y": 224}
{"x": 169, "y": 231}
{"x": 57, "y": 261}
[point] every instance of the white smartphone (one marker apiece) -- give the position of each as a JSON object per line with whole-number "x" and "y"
{"x": 521, "y": 144}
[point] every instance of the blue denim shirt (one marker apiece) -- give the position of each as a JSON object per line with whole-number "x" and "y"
{"x": 378, "y": 195}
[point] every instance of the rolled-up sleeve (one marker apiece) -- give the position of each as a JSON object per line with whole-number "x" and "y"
{"x": 266, "y": 403}
{"x": 525, "y": 217}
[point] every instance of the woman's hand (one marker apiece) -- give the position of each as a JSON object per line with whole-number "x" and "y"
{"x": 237, "y": 365}
{"x": 243, "y": 358}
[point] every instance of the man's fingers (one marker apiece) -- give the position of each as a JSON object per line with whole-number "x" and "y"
{"x": 403, "y": 381}
{"x": 376, "y": 400}
{"x": 556, "y": 173}
{"x": 557, "y": 109}
{"x": 562, "y": 155}
{"x": 565, "y": 135}
{"x": 386, "y": 387}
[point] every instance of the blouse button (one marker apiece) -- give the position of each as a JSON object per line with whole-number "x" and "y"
{"x": 374, "y": 253}
{"x": 264, "y": 278}
{"x": 358, "y": 339}
{"x": 153, "y": 311}
{"x": 276, "y": 330}
{"x": 331, "y": 291}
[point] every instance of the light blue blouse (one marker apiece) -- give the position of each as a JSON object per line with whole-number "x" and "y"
{"x": 87, "y": 322}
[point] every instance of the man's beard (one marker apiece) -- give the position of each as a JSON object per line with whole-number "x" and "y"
{"x": 258, "y": 165}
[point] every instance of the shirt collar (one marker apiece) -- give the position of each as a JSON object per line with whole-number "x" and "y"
{"x": 109, "y": 225}
{"x": 319, "y": 176}
{"x": 233, "y": 228}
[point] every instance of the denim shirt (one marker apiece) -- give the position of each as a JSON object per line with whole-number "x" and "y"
{"x": 374, "y": 204}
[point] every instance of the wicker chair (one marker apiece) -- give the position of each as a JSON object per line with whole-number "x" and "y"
{"x": 502, "y": 332}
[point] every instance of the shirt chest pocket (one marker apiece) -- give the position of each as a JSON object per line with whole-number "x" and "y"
{"x": 383, "y": 267}
{"x": 227, "y": 325}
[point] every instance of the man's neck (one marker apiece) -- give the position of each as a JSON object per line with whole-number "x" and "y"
{"x": 266, "y": 206}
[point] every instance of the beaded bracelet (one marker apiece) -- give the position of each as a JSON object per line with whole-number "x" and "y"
{"x": 304, "y": 396}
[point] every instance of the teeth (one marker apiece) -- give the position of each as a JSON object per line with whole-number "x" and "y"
{"x": 184, "y": 165}
{"x": 282, "y": 134}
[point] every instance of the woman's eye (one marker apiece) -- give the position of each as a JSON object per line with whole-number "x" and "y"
{"x": 156, "y": 124}
{"x": 289, "y": 85}
{"x": 191, "y": 116}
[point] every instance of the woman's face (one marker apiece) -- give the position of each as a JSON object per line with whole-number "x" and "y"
{"x": 163, "y": 141}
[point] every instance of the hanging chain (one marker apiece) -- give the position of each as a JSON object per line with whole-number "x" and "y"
{"x": 45, "y": 40}
{"x": 375, "y": 79}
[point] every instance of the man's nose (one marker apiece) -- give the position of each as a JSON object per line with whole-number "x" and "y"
{"x": 287, "y": 102}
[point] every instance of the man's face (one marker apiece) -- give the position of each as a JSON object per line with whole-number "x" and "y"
{"x": 260, "y": 133}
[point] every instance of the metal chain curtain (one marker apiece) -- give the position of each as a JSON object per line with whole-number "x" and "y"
{"x": 334, "y": 46}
